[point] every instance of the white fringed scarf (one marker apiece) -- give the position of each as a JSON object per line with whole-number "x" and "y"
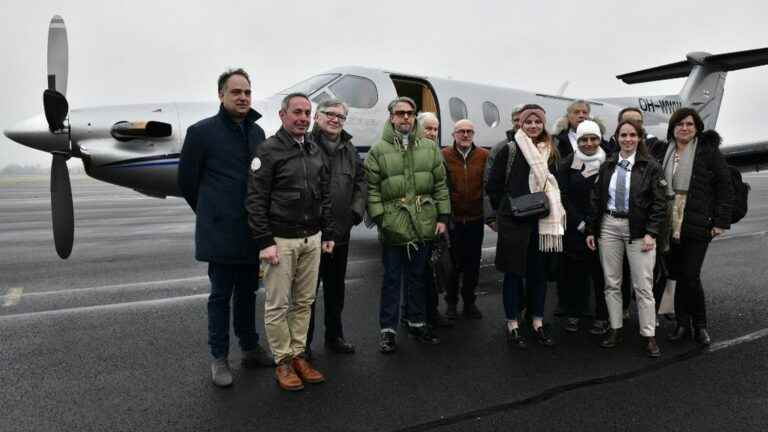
{"x": 551, "y": 227}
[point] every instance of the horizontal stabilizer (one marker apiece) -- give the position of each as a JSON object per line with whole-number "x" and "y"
{"x": 747, "y": 157}
{"x": 720, "y": 62}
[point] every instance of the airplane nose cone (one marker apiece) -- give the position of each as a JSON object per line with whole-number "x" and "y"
{"x": 34, "y": 133}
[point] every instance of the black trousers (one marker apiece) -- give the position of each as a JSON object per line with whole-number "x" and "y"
{"x": 684, "y": 265}
{"x": 467, "y": 250}
{"x": 582, "y": 273}
{"x": 333, "y": 271}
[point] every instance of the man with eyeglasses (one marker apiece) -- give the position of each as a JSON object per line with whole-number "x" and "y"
{"x": 465, "y": 163}
{"x": 289, "y": 212}
{"x": 409, "y": 202}
{"x": 348, "y": 196}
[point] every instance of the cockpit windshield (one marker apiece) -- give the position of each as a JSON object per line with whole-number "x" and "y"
{"x": 311, "y": 85}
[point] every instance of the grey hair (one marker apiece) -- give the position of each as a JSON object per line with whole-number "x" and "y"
{"x": 405, "y": 99}
{"x": 288, "y": 97}
{"x": 516, "y": 109}
{"x": 328, "y": 103}
{"x": 573, "y": 104}
{"x": 426, "y": 115}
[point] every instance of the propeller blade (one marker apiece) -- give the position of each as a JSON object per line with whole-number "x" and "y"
{"x": 56, "y": 109}
{"x": 61, "y": 206}
{"x": 58, "y": 55}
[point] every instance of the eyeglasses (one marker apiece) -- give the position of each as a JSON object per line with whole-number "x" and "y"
{"x": 404, "y": 113}
{"x": 465, "y": 131}
{"x": 339, "y": 117}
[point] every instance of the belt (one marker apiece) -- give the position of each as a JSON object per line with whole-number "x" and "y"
{"x": 617, "y": 215}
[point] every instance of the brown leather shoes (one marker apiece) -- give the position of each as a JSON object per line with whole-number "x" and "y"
{"x": 651, "y": 348}
{"x": 305, "y": 371}
{"x": 287, "y": 378}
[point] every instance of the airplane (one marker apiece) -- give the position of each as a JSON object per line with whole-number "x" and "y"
{"x": 137, "y": 146}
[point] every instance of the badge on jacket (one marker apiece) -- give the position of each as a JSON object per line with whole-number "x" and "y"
{"x": 255, "y": 164}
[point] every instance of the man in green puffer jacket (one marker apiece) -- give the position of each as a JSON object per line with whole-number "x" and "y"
{"x": 408, "y": 200}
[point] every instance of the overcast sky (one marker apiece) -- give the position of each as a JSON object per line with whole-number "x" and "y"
{"x": 152, "y": 51}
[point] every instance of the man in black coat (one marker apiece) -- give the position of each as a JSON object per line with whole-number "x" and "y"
{"x": 213, "y": 178}
{"x": 656, "y": 148}
{"x": 565, "y": 128}
{"x": 348, "y": 199}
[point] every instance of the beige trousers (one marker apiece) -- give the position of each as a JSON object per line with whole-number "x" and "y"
{"x": 614, "y": 241}
{"x": 290, "y": 291}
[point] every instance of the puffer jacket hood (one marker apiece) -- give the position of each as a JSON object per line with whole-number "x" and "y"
{"x": 389, "y": 135}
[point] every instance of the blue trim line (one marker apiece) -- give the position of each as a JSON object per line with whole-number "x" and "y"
{"x": 147, "y": 164}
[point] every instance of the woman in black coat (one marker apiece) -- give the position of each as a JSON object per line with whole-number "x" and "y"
{"x": 627, "y": 214}
{"x": 699, "y": 187}
{"x": 576, "y": 175}
{"x": 526, "y": 166}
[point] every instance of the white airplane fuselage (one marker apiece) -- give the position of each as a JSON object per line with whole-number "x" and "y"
{"x": 149, "y": 165}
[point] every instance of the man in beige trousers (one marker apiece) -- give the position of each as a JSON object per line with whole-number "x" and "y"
{"x": 289, "y": 212}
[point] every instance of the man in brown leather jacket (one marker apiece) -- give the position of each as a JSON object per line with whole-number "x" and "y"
{"x": 465, "y": 165}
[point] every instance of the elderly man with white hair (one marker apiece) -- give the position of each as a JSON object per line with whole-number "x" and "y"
{"x": 465, "y": 163}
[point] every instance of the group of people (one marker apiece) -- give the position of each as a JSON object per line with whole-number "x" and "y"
{"x": 286, "y": 205}
{"x": 625, "y": 214}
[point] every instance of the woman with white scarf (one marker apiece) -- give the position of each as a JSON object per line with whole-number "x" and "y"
{"x": 628, "y": 211}
{"x": 699, "y": 187}
{"x": 577, "y": 173}
{"x": 526, "y": 165}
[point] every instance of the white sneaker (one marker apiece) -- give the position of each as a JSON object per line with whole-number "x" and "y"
{"x": 221, "y": 375}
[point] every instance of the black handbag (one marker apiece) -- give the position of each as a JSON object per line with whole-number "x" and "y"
{"x": 531, "y": 206}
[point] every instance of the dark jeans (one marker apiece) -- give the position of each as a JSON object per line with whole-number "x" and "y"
{"x": 430, "y": 290}
{"x": 579, "y": 272}
{"x": 685, "y": 261}
{"x": 535, "y": 284}
{"x": 403, "y": 264}
{"x": 466, "y": 249}
{"x": 239, "y": 283}
{"x": 333, "y": 271}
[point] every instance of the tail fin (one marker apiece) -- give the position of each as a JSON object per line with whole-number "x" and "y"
{"x": 703, "y": 90}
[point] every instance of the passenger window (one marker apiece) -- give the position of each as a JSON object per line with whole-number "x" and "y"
{"x": 458, "y": 109}
{"x": 322, "y": 96}
{"x": 311, "y": 85}
{"x": 357, "y": 92}
{"x": 490, "y": 114}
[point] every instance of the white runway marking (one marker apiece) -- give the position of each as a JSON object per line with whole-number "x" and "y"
{"x": 77, "y": 310}
{"x": 13, "y": 296}
{"x": 120, "y": 286}
{"x": 742, "y": 235}
{"x": 751, "y": 337}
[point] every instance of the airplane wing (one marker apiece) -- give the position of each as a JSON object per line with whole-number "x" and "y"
{"x": 747, "y": 157}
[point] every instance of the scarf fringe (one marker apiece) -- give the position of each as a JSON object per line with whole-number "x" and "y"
{"x": 550, "y": 243}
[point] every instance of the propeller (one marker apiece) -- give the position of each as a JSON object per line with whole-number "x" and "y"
{"x": 56, "y": 111}
{"x": 62, "y": 211}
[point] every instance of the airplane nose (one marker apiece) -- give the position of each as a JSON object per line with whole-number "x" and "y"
{"x": 34, "y": 133}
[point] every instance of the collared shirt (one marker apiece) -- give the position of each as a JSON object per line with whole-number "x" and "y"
{"x": 612, "y": 184}
{"x": 572, "y": 139}
{"x": 464, "y": 152}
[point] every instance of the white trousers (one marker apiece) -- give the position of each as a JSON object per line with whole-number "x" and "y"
{"x": 614, "y": 241}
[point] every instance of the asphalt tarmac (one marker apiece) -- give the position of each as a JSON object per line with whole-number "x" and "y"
{"x": 114, "y": 338}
